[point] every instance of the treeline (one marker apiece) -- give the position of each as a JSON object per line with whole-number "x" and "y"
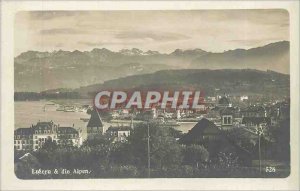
{"x": 104, "y": 158}
{"x": 233, "y": 81}
{"x": 36, "y": 96}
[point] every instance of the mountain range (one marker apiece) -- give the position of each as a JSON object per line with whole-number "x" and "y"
{"x": 39, "y": 71}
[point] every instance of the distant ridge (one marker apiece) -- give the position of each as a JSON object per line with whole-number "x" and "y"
{"x": 232, "y": 81}
{"x": 39, "y": 71}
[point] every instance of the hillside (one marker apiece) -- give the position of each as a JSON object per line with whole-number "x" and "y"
{"x": 233, "y": 81}
{"x": 273, "y": 56}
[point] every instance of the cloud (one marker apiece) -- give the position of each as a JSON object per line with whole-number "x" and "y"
{"x": 47, "y": 15}
{"x": 254, "y": 42}
{"x": 58, "y": 45}
{"x": 61, "y": 31}
{"x": 213, "y": 30}
{"x": 247, "y": 41}
{"x": 155, "y": 36}
{"x": 104, "y": 43}
{"x": 254, "y": 16}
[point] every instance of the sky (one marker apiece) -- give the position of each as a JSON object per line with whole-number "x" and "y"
{"x": 163, "y": 31}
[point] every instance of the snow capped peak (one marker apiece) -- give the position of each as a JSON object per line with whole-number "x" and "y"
{"x": 137, "y": 52}
{"x": 132, "y": 52}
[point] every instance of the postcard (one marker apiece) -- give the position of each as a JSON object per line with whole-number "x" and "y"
{"x": 149, "y": 95}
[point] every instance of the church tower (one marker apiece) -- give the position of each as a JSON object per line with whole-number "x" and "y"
{"x": 95, "y": 125}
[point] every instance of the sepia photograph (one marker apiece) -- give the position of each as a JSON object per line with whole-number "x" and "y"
{"x": 177, "y": 95}
{"x": 237, "y": 61}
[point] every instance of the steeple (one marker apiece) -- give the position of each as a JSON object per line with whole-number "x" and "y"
{"x": 95, "y": 125}
{"x": 95, "y": 120}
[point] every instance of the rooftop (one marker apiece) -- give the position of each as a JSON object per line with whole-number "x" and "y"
{"x": 95, "y": 120}
{"x": 24, "y": 131}
{"x": 65, "y": 130}
{"x": 119, "y": 128}
{"x": 227, "y": 111}
{"x": 254, "y": 109}
{"x": 256, "y": 120}
{"x": 44, "y": 125}
{"x": 203, "y": 127}
{"x": 224, "y": 100}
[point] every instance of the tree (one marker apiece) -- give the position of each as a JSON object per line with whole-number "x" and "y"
{"x": 282, "y": 141}
{"x": 227, "y": 160}
{"x": 49, "y": 145}
{"x": 164, "y": 149}
{"x": 195, "y": 155}
{"x": 97, "y": 150}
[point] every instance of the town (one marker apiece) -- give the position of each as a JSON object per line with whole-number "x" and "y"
{"x": 243, "y": 125}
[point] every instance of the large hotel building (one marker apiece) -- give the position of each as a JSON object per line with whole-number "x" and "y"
{"x": 34, "y": 137}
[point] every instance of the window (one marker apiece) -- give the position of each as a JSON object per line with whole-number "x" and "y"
{"x": 37, "y": 142}
{"x": 225, "y": 120}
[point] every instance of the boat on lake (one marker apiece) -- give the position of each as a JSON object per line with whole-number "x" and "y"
{"x": 69, "y": 109}
{"x": 84, "y": 119}
{"x": 60, "y": 108}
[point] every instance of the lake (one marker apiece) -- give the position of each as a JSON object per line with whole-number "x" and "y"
{"x": 30, "y": 112}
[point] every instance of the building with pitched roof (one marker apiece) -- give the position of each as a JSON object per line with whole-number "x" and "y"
{"x": 68, "y": 136}
{"x": 224, "y": 102}
{"x": 43, "y": 131}
{"x": 204, "y": 130}
{"x": 254, "y": 116}
{"x": 34, "y": 137}
{"x": 95, "y": 125}
{"x": 23, "y": 139}
{"x": 119, "y": 133}
{"x": 254, "y": 111}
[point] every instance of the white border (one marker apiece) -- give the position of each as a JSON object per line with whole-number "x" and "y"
{"x": 8, "y": 178}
